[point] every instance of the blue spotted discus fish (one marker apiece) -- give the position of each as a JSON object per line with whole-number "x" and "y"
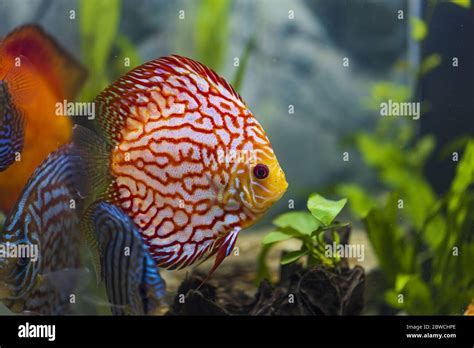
{"x": 40, "y": 240}
{"x": 178, "y": 151}
{"x": 132, "y": 281}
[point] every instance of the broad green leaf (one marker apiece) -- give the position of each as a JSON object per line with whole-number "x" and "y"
{"x": 401, "y": 281}
{"x": 293, "y": 256}
{"x": 379, "y": 154}
{"x": 360, "y": 202}
{"x": 300, "y": 221}
{"x": 418, "y": 297}
{"x": 276, "y": 236}
{"x": 418, "y": 29}
{"x": 391, "y": 298}
{"x": 399, "y": 169}
{"x": 325, "y": 210}
{"x": 393, "y": 255}
{"x": 462, "y": 3}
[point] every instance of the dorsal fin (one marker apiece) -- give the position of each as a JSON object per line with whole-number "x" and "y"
{"x": 115, "y": 103}
{"x": 203, "y": 71}
{"x": 64, "y": 74}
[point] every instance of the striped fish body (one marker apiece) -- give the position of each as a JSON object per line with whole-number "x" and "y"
{"x": 168, "y": 126}
{"x": 46, "y": 217}
{"x": 131, "y": 278}
{"x": 11, "y": 129}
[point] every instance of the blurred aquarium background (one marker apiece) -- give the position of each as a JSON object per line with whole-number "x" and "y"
{"x": 314, "y": 73}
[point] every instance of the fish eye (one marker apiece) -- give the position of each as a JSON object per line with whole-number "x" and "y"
{"x": 261, "y": 171}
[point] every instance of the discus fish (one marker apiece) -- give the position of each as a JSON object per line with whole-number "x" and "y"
{"x": 159, "y": 153}
{"x": 132, "y": 281}
{"x": 29, "y": 127}
{"x": 45, "y": 222}
{"x": 16, "y": 89}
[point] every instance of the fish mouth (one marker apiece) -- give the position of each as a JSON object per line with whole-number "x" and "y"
{"x": 280, "y": 186}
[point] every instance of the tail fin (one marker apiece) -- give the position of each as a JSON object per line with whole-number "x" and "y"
{"x": 131, "y": 277}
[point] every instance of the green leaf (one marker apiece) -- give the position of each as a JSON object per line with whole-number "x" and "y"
{"x": 417, "y": 297}
{"x": 391, "y": 298}
{"x": 394, "y": 255}
{"x": 325, "y": 210}
{"x": 360, "y": 202}
{"x": 126, "y": 50}
{"x": 465, "y": 170}
{"x": 99, "y": 22}
{"x": 422, "y": 151}
{"x": 462, "y": 3}
{"x": 429, "y": 63}
{"x": 401, "y": 281}
{"x": 382, "y": 91}
{"x": 276, "y": 236}
{"x": 293, "y": 256}
{"x": 262, "y": 268}
{"x": 300, "y": 221}
{"x": 212, "y": 31}
{"x": 418, "y": 29}
{"x": 239, "y": 75}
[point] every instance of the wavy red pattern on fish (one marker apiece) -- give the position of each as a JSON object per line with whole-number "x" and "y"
{"x": 177, "y": 235}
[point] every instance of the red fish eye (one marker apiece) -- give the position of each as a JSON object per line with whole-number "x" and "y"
{"x": 261, "y": 171}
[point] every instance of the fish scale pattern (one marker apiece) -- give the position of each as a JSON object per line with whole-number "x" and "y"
{"x": 170, "y": 120}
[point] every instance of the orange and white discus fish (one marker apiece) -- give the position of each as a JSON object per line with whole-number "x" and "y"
{"x": 177, "y": 150}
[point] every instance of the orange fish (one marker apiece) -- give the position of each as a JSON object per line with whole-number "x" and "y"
{"x": 179, "y": 152}
{"x": 48, "y": 76}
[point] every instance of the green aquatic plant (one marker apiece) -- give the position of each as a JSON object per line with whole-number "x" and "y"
{"x": 427, "y": 258}
{"x": 423, "y": 243}
{"x": 243, "y": 63}
{"x": 107, "y": 53}
{"x": 97, "y": 41}
{"x": 308, "y": 227}
{"x": 212, "y": 32}
{"x": 421, "y": 240}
